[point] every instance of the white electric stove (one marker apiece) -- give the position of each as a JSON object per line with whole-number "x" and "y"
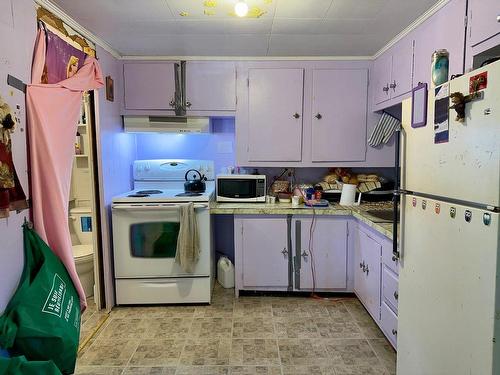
{"x": 146, "y": 224}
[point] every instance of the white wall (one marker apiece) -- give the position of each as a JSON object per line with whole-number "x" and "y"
{"x": 17, "y": 36}
{"x": 117, "y": 151}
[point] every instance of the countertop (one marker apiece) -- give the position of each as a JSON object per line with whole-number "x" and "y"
{"x": 359, "y": 212}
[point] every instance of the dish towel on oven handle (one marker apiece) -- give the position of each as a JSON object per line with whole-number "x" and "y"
{"x": 384, "y": 130}
{"x": 188, "y": 241}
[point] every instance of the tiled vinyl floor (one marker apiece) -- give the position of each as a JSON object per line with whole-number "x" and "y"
{"x": 245, "y": 336}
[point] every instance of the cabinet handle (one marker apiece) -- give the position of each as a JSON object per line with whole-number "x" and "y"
{"x": 385, "y": 88}
{"x": 395, "y": 332}
{"x": 318, "y": 116}
{"x": 394, "y": 258}
{"x": 498, "y": 18}
{"x": 304, "y": 254}
{"x": 284, "y": 251}
{"x": 393, "y": 86}
{"x": 396, "y": 295}
{"x": 188, "y": 104}
{"x": 296, "y": 115}
{"x": 172, "y": 103}
{"x": 367, "y": 270}
{"x": 362, "y": 265}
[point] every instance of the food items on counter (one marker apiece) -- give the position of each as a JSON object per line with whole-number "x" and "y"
{"x": 279, "y": 186}
{"x": 285, "y": 197}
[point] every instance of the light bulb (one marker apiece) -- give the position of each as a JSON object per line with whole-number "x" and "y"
{"x": 241, "y": 8}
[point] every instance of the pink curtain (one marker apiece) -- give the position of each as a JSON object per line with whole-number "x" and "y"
{"x": 53, "y": 111}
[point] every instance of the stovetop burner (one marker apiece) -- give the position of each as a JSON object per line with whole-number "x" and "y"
{"x": 149, "y": 192}
{"x": 138, "y": 195}
{"x": 188, "y": 194}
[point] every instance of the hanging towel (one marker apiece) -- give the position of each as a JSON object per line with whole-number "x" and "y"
{"x": 188, "y": 241}
{"x": 384, "y": 130}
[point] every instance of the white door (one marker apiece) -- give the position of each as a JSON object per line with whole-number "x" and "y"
{"x": 145, "y": 241}
{"x": 468, "y": 166}
{"x": 448, "y": 310}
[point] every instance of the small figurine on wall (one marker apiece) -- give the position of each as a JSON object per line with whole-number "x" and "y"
{"x": 458, "y": 100}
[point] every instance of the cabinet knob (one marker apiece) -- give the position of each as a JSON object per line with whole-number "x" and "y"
{"x": 172, "y": 103}
{"x": 395, "y": 332}
{"x": 188, "y": 104}
{"x": 396, "y": 295}
{"x": 304, "y": 254}
{"x": 498, "y": 17}
{"x": 393, "y": 86}
{"x": 296, "y": 115}
{"x": 394, "y": 258}
{"x": 362, "y": 265}
{"x": 284, "y": 251}
{"x": 318, "y": 116}
{"x": 385, "y": 89}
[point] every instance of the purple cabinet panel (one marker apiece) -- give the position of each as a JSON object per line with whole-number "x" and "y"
{"x": 390, "y": 288}
{"x": 275, "y": 114}
{"x": 367, "y": 270}
{"x": 483, "y": 20}
{"x": 329, "y": 252}
{"x": 264, "y": 252}
{"x": 402, "y": 63}
{"x": 381, "y": 77}
{"x": 149, "y": 85}
{"x": 389, "y": 324}
{"x": 338, "y": 121}
{"x": 445, "y": 29}
{"x": 211, "y": 86}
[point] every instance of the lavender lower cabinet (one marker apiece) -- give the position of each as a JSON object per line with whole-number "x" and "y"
{"x": 389, "y": 323}
{"x": 327, "y": 250}
{"x": 367, "y": 265}
{"x": 261, "y": 252}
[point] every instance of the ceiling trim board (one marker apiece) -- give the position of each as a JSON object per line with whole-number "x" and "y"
{"x": 412, "y": 26}
{"x": 248, "y": 58}
{"x": 66, "y": 18}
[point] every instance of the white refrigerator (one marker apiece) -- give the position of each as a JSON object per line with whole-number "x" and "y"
{"x": 449, "y": 280}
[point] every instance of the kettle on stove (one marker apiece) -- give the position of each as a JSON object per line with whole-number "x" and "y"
{"x": 194, "y": 184}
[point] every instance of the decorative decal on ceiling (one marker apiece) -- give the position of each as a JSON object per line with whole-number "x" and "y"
{"x": 210, "y": 3}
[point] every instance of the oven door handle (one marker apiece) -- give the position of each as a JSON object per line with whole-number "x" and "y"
{"x": 153, "y": 207}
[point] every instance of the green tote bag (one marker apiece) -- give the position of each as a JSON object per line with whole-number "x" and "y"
{"x": 42, "y": 320}
{"x": 20, "y": 366}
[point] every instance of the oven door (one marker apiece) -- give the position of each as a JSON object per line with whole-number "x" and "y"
{"x": 145, "y": 240}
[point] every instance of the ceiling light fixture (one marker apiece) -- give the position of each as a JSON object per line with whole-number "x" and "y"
{"x": 241, "y": 8}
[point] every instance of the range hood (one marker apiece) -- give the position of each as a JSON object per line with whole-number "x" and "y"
{"x": 166, "y": 124}
{"x": 180, "y": 123}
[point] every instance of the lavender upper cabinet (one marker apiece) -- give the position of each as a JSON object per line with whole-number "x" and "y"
{"x": 392, "y": 73}
{"x": 211, "y": 86}
{"x": 367, "y": 266}
{"x": 261, "y": 252}
{"x": 275, "y": 114}
{"x": 431, "y": 36}
{"x": 149, "y": 85}
{"x": 339, "y": 122}
{"x": 329, "y": 253}
{"x": 484, "y": 20}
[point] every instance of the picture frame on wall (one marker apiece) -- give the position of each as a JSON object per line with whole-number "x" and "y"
{"x": 110, "y": 90}
{"x": 419, "y": 106}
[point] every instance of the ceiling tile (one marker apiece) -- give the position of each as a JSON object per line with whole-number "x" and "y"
{"x": 298, "y": 26}
{"x": 342, "y": 9}
{"x": 302, "y": 9}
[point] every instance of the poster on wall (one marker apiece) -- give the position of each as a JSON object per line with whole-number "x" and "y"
{"x": 441, "y": 109}
{"x": 62, "y": 59}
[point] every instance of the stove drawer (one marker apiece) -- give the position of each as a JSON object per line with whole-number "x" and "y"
{"x": 164, "y": 290}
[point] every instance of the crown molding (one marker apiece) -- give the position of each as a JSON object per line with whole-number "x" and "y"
{"x": 249, "y": 58}
{"x": 412, "y": 26}
{"x": 67, "y": 19}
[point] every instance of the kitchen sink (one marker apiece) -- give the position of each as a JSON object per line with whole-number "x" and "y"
{"x": 385, "y": 215}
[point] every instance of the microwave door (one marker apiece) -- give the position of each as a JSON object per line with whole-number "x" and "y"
{"x": 237, "y": 188}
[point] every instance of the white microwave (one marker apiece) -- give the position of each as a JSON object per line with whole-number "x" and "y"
{"x": 241, "y": 188}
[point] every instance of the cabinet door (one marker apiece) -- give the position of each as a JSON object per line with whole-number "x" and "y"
{"x": 367, "y": 255}
{"x": 265, "y": 252}
{"x": 211, "y": 86}
{"x": 339, "y": 115}
{"x": 402, "y": 65}
{"x": 327, "y": 248}
{"x": 484, "y": 22}
{"x": 149, "y": 85}
{"x": 275, "y": 114}
{"x": 381, "y": 77}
